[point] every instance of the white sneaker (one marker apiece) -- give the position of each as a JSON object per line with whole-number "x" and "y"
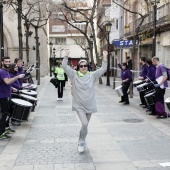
{"x": 81, "y": 146}
{"x": 58, "y": 99}
{"x": 61, "y": 99}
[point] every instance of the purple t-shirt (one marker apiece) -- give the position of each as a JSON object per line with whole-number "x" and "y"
{"x": 20, "y": 71}
{"x": 160, "y": 69}
{"x": 144, "y": 71}
{"x": 5, "y": 89}
{"x": 16, "y": 84}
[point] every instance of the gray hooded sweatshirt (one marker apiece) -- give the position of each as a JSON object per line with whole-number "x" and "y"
{"x": 83, "y": 100}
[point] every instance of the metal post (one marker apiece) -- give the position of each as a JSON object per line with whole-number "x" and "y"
{"x": 50, "y": 61}
{"x": 108, "y": 64}
{"x": 1, "y": 28}
{"x": 154, "y": 30}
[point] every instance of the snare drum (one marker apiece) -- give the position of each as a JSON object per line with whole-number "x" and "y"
{"x": 29, "y": 92}
{"x": 30, "y": 99}
{"x": 136, "y": 83}
{"x": 149, "y": 98}
{"x": 20, "y": 109}
{"x": 119, "y": 91}
{"x": 142, "y": 87}
{"x": 29, "y": 86}
{"x": 167, "y": 101}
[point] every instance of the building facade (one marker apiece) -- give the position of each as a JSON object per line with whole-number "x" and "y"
{"x": 11, "y": 42}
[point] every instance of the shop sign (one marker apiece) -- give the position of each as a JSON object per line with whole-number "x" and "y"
{"x": 124, "y": 43}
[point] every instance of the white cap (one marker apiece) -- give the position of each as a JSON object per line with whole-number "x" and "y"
{"x": 82, "y": 61}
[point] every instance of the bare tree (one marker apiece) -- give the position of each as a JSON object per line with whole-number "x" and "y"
{"x": 76, "y": 15}
{"x": 18, "y": 4}
{"x": 135, "y": 14}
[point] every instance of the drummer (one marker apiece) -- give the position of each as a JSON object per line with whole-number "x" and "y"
{"x": 143, "y": 77}
{"x": 162, "y": 84}
{"x": 19, "y": 63}
{"x": 13, "y": 70}
{"x": 126, "y": 80}
{"x": 5, "y": 95}
{"x": 150, "y": 78}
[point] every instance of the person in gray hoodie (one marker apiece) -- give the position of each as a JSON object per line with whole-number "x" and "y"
{"x": 83, "y": 84}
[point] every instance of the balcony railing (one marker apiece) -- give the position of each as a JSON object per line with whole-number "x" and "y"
{"x": 163, "y": 16}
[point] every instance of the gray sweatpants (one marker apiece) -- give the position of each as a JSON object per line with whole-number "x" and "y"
{"x": 84, "y": 118}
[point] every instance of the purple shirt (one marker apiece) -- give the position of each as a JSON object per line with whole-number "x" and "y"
{"x": 5, "y": 89}
{"x": 144, "y": 71}
{"x": 126, "y": 74}
{"x": 16, "y": 84}
{"x": 20, "y": 71}
{"x": 159, "y": 72}
{"x": 151, "y": 72}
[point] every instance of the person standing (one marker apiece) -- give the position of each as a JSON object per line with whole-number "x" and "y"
{"x": 5, "y": 95}
{"x": 143, "y": 77}
{"x": 150, "y": 79}
{"x": 126, "y": 80}
{"x": 19, "y": 63}
{"x": 162, "y": 84}
{"x": 83, "y": 100}
{"x": 59, "y": 72}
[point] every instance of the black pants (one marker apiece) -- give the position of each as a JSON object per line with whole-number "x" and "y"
{"x": 125, "y": 88}
{"x": 60, "y": 88}
{"x": 4, "y": 104}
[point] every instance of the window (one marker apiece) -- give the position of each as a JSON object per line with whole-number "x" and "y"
{"x": 117, "y": 24}
{"x": 59, "y": 41}
{"x": 80, "y": 26}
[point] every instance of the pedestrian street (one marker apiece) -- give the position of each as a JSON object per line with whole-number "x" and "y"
{"x": 120, "y": 137}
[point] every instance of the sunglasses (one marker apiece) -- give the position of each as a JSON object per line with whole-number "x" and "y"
{"x": 81, "y": 66}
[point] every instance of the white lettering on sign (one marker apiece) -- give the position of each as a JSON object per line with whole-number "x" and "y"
{"x": 58, "y": 28}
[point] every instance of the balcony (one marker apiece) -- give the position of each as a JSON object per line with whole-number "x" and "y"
{"x": 163, "y": 18}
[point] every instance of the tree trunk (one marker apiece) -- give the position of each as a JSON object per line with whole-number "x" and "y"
{"x": 95, "y": 47}
{"x": 20, "y": 29}
{"x": 37, "y": 56}
{"x": 27, "y": 45}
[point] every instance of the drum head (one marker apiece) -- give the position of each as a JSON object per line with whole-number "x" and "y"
{"x": 167, "y": 100}
{"x": 142, "y": 85}
{"x": 28, "y": 97}
{"x": 150, "y": 94}
{"x": 119, "y": 87}
{"x": 21, "y": 102}
{"x": 29, "y": 92}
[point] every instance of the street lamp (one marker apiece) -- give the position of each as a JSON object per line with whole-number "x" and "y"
{"x": 108, "y": 29}
{"x": 154, "y": 26}
{"x": 91, "y": 51}
{"x": 51, "y": 45}
{"x": 60, "y": 53}
{"x": 1, "y": 29}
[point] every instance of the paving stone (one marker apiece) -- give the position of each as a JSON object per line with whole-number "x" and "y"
{"x": 2, "y": 148}
{"x": 52, "y": 154}
{"x": 47, "y": 133}
{"x": 55, "y": 120}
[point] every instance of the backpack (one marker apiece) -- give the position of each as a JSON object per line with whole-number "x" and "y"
{"x": 168, "y": 73}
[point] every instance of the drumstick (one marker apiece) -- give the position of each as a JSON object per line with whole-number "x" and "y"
{"x": 150, "y": 80}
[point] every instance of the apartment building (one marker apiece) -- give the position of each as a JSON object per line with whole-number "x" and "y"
{"x": 112, "y": 13}
{"x": 62, "y": 35}
{"x": 145, "y": 33}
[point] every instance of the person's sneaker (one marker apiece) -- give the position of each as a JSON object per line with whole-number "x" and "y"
{"x": 15, "y": 123}
{"x": 58, "y": 99}
{"x": 9, "y": 130}
{"x": 81, "y": 146}
{"x": 61, "y": 99}
{"x": 4, "y": 137}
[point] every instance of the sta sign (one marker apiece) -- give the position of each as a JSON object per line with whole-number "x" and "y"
{"x": 124, "y": 43}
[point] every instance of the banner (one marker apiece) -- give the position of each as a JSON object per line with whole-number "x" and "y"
{"x": 124, "y": 43}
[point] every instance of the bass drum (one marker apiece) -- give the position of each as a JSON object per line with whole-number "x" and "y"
{"x": 119, "y": 91}
{"x": 30, "y": 99}
{"x": 20, "y": 109}
{"x": 167, "y": 101}
{"x": 149, "y": 98}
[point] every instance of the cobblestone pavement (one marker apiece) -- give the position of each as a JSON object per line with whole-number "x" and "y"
{"x": 120, "y": 137}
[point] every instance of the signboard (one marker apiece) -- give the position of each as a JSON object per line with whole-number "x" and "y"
{"x": 58, "y": 28}
{"x": 124, "y": 43}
